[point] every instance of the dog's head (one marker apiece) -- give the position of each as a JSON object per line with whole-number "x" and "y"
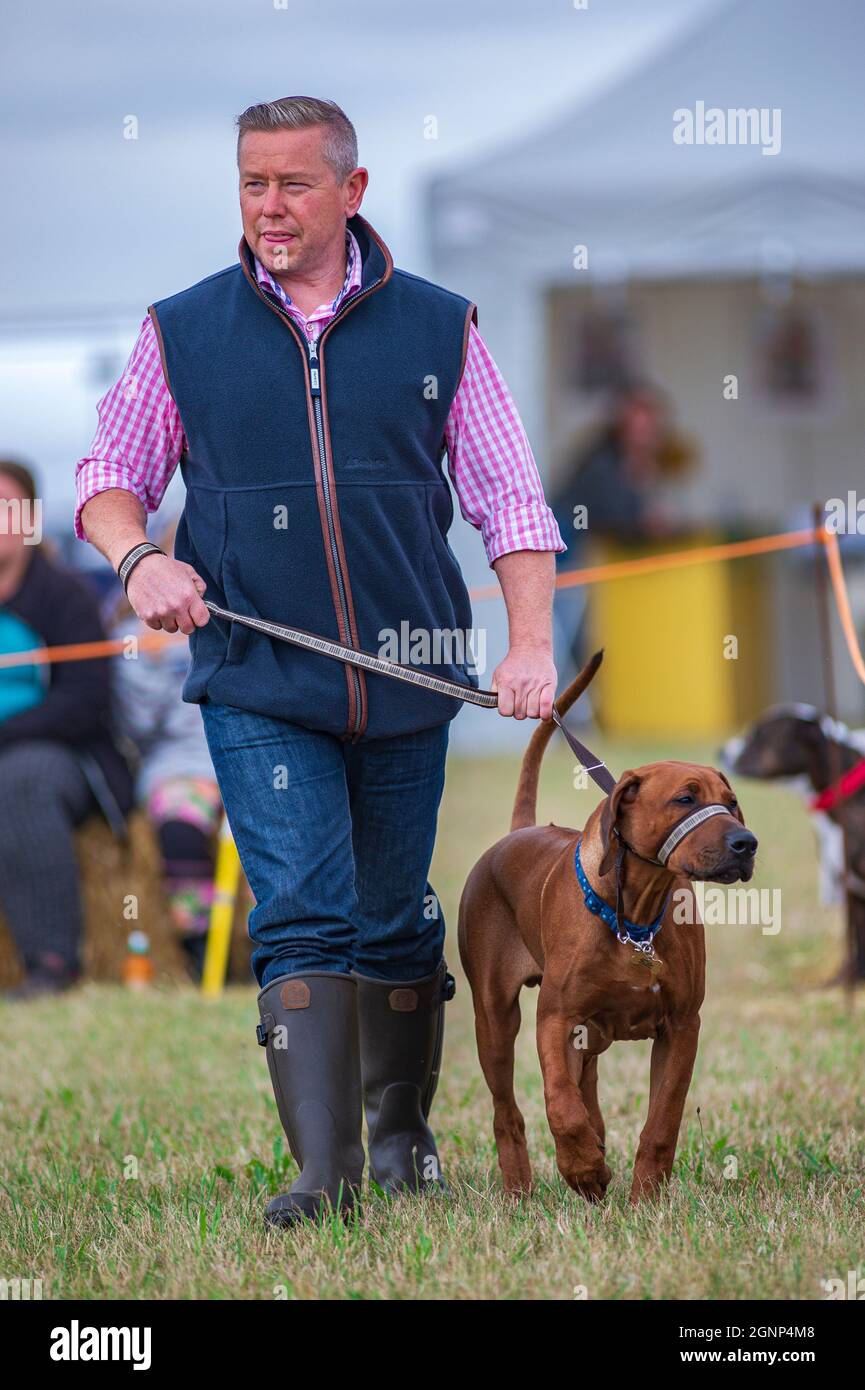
{"x": 783, "y": 742}
{"x": 648, "y": 802}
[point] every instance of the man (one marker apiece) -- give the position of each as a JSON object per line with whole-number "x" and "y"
{"x": 309, "y": 393}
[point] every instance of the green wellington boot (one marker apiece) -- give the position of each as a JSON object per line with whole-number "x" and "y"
{"x": 309, "y": 1025}
{"x": 401, "y": 1036}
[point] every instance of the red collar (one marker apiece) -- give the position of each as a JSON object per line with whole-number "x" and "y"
{"x": 846, "y": 785}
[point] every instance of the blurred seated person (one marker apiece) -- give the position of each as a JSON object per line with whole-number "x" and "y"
{"x": 59, "y": 762}
{"x": 614, "y": 482}
{"x": 175, "y": 781}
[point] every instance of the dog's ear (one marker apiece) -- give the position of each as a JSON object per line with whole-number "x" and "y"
{"x": 738, "y": 811}
{"x": 626, "y": 790}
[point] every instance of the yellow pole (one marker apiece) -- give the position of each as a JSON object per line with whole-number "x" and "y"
{"x": 225, "y": 885}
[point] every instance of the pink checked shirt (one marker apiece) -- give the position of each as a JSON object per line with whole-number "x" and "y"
{"x": 139, "y": 439}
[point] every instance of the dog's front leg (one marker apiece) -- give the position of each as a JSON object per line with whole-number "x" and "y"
{"x": 579, "y": 1154}
{"x": 673, "y": 1054}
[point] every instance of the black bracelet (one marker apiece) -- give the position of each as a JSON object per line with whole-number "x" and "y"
{"x": 131, "y": 558}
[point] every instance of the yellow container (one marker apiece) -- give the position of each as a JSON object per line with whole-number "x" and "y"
{"x": 685, "y": 650}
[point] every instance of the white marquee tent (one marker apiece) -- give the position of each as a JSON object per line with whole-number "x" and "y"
{"x": 696, "y": 228}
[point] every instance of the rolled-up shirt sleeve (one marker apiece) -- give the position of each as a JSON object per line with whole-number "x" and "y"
{"x": 490, "y": 462}
{"x": 139, "y": 437}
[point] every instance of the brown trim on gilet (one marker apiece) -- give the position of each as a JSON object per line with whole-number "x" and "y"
{"x": 159, "y": 343}
{"x": 350, "y": 638}
{"x": 328, "y": 458}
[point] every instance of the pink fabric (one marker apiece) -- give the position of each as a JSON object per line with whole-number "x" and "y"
{"x": 139, "y": 437}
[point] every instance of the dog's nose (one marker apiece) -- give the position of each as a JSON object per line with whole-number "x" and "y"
{"x": 741, "y": 842}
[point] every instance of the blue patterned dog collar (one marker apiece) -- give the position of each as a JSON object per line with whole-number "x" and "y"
{"x": 595, "y": 903}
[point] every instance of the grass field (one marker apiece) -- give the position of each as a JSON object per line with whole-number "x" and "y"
{"x": 140, "y": 1140}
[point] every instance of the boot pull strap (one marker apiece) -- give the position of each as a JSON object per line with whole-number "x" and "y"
{"x": 263, "y": 1029}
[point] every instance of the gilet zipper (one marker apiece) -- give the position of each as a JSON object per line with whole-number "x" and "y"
{"x": 318, "y": 445}
{"x": 315, "y": 389}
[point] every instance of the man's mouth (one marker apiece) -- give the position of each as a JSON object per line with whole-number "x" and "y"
{"x": 278, "y": 238}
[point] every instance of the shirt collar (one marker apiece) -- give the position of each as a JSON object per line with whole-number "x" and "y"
{"x": 353, "y": 273}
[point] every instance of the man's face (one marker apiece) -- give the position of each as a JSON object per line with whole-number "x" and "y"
{"x": 293, "y": 209}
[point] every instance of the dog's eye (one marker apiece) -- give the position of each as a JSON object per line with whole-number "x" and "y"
{"x": 686, "y": 800}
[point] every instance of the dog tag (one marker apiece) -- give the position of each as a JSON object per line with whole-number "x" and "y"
{"x": 653, "y": 963}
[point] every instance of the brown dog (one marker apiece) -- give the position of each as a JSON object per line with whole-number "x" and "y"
{"x": 524, "y": 920}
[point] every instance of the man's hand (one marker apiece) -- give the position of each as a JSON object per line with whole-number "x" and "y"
{"x": 166, "y": 594}
{"x": 526, "y": 682}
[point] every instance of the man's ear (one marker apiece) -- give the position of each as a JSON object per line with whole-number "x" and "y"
{"x": 738, "y": 811}
{"x": 626, "y": 788}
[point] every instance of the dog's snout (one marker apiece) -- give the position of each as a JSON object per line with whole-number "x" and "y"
{"x": 741, "y": 842}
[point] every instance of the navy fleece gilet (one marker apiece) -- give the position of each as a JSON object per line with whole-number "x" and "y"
{"x": 315, "y": 494}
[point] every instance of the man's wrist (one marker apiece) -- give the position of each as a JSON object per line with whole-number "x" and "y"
{"x": 531, "y": 644}
{"x": 133, "y": 557}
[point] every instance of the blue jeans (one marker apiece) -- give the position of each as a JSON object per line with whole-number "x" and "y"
{"x": 335, "y": 840}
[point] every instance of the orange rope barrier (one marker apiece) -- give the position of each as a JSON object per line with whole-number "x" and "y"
{"x": 673, "y": 559}
{"x": 86, "y": 651}
{"x": 842, "y": 601}
{"x": 621, "y": 569}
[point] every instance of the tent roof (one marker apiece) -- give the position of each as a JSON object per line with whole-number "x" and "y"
{"x": 609, "y": 174}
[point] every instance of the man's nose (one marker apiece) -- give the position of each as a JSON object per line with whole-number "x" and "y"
{"x": 274, "y": 202}
{"x": 741, "y": 842}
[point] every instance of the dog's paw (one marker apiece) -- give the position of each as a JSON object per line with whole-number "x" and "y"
{"x": 648, "y": 1184}
{"x": 518, "y": 1187}
{"x": 590, "y": 1180}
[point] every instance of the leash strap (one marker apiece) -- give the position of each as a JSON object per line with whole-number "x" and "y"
{"x": 594, "y": 766}
{"x": 487, "y": 699}
{"x": 299, "y": 638}
{"x": 848, "y": 784}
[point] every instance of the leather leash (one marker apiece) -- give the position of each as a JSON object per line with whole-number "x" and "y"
{"x": 594, "y": 766}
{"x": 487, "y": 699}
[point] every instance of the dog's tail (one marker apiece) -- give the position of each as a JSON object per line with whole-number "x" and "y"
{"x": 526, "y": 800}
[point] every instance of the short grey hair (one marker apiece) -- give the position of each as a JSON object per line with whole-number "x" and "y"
{"x": 299, "y": 113}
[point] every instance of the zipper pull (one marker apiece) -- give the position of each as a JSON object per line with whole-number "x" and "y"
{"x": 313, "y": 370}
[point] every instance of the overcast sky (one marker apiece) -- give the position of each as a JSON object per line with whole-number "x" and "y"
{"x": 98, "y": 226}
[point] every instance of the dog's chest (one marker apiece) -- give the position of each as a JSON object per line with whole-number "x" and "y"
{"x": 636, "y": 1009}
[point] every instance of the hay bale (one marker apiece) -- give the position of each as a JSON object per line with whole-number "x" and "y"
{"x": 122, "y": 888}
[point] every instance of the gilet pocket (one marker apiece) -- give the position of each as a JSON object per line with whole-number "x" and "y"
{"x": 239, "y": 636}
{"x": 442, "y": 570}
